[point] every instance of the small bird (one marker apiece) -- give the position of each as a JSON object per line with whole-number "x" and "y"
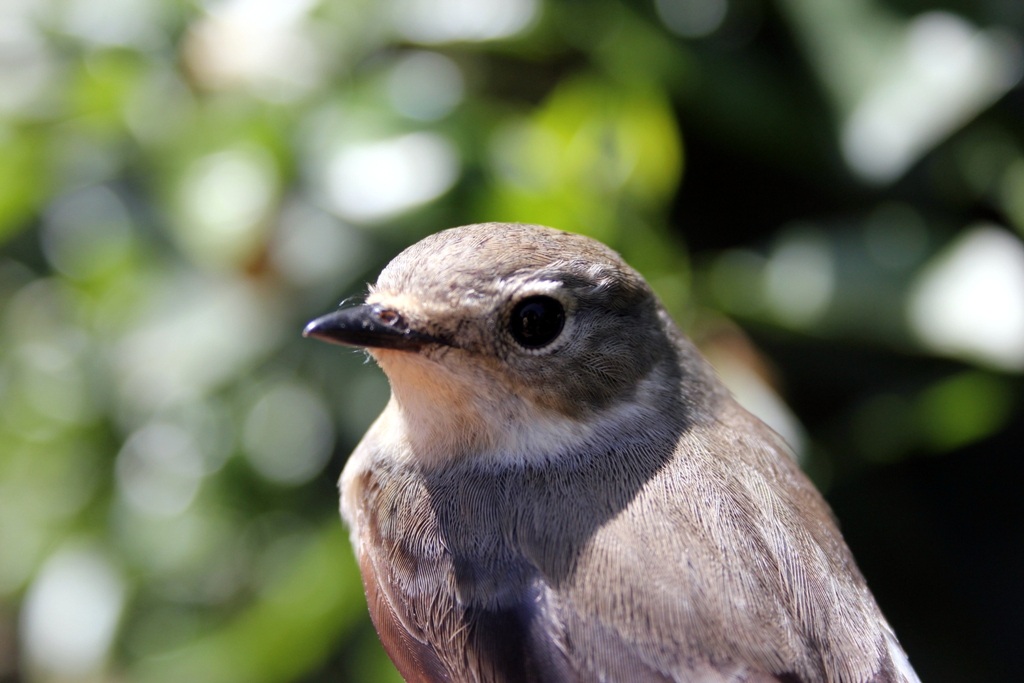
{"x": 560, "y": 489}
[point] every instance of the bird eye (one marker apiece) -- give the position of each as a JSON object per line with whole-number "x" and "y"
{"x": 536, "y": 321}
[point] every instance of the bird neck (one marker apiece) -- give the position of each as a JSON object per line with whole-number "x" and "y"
{"x": 441, "y": 420}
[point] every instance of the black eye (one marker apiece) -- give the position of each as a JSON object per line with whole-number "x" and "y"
{"x": 536, "y": 321}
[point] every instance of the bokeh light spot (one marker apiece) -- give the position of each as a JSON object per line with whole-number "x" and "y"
{"x": 26, "y": 63}
{"x": 442, "y": 21}
{"x": 226, "y": 198}
{"x": 425, "y": 85}
{"x": 263, "y": 45}
{"x": 800, "y": 277}
{"x": 288, "y": 434}
{"x": 159, "y": 469}
{"x": 963, "y": 409}
{"x": 87, "y": 233}
{"x": 70, "y": 614}
{"x": 312, "y": 247}
{"x": 375, "y": 180}
{"x": 195, "y": 334}
{"x": 969, "y": 301}
{"x": 945, "y": 71}
{"x": 692, "y": 18}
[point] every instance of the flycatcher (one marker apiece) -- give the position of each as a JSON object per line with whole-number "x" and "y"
{"x": 560, "y": 489}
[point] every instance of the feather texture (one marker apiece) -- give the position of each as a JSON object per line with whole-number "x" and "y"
{"x": 599, "y": 511}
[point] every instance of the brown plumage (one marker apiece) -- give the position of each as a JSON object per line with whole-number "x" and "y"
{"x": 560, "y": 489}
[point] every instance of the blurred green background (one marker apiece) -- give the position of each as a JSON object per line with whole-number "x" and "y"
{"x": 829, "y": 194}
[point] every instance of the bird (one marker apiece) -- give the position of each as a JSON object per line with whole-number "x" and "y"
{"x": 560, "y": 489}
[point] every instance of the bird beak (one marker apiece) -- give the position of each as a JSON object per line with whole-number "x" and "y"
{"x": 368, "y": 326}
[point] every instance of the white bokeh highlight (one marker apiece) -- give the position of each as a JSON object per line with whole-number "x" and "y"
{"x": 265, "y": 46}
{"x": 425, "y": 86}
{"x": 944, "y": 73}
{"x": 969, "y": 301}
{"x": 371, "y": 181}
{"x": 444, "y": 21}
{"x": 288, "y": 434}
{"x": 799, "y": 277}
{"x": 70, "y": 615}
{"x": 159, "y": 470}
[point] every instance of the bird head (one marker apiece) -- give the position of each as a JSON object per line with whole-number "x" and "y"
{"x": 506, "y": 334}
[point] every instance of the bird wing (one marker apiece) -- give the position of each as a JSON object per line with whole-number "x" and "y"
{"x": 726, "y": 565}
{"x": 412, "y": 655}
{"x": 428, "y": 627}
{"x": 717, "y": 561}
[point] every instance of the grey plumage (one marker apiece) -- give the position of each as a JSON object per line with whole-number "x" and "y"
{"x": 594, "y": 509}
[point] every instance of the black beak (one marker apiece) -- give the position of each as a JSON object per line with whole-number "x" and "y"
{"x": 368, "y": 326}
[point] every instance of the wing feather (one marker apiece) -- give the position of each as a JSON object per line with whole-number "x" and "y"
{"x": 699, "y": 566}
